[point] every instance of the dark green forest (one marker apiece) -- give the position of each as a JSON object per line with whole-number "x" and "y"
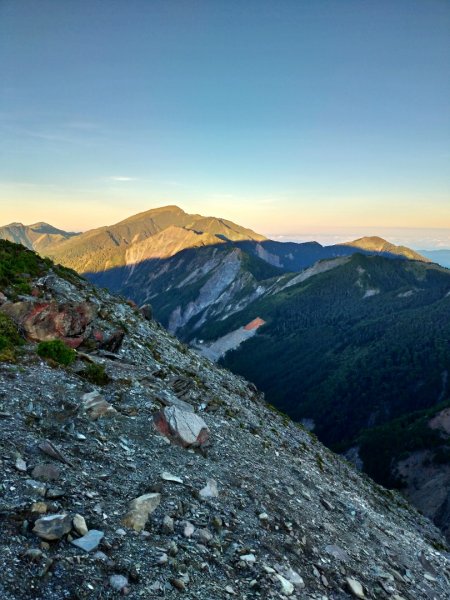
{"x": 348, "y": 360}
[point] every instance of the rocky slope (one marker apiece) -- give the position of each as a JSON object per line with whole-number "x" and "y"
{"x": 174, "y": 477}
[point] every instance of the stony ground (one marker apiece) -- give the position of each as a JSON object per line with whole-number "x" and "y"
{"x": 218, "y": 497}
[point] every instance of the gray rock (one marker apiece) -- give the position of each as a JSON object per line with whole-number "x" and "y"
{"x": 286, "y": 586}
{"x": 183, "y": 427}
{"x": 355, "y": 587}
{"x": 37, "y": 487}
{"x": 46, "y": 472}
{"x": 168, "y": 525}
{"x": 118, "y": 582}
{"x": 79, "y": 524}
{"x": 90, "y": 541}
{"x": 210, "y": 490}
{"x": 53, "y": 527}
{"x": 21, "y": 465}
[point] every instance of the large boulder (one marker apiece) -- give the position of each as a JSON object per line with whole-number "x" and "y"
{"x": 182, "y": 427}
{"x": 41, "y": 321}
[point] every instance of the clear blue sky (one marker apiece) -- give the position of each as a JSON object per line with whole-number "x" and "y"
{"x": 283, "y": 115}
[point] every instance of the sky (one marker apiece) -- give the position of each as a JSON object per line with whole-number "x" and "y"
{"x": 293, "y": 117}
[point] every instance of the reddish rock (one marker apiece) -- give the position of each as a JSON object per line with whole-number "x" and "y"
{"x": 182, "y": 427}
{"x": 49, "y": 320}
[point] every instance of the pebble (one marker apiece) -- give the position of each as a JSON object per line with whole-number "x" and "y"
{"x": 118, "y": 582}
{"x": 286, "y": 586}
{"x": 248, "y": 558}
{"x": 21, "y": 465}
{"x": 355, "y": 587}
{"x": 168, "y": 525}
{"x": 169, "y": 477}
{"x": 210, "y": 490}
{"x": 79, "y": 524}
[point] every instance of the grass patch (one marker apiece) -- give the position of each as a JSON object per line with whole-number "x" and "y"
{"x": 57, "y": 351}
{"x": 95, "y": 374}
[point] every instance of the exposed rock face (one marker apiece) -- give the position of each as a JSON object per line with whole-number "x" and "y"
{"x": 50, "y": 320}
{"x": 183, "y": 427}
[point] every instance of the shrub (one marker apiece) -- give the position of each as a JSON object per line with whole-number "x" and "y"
{"x": 9, "y": 339}
{"x": 95, "y": 374}
{"x": 57, "y": 351}
{"x": 8, "y": 330}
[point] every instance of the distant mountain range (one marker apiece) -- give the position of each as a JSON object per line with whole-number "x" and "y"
{"x": 39, "y": 237}
{"x": 438, "y": 256}
{"x": 351, "y": 339}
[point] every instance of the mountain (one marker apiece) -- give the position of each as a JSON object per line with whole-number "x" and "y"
{"x": 133, "y": 466}
{"x": 39, "y": 237}
{"x": 192, "y": 268}
{"x": 441, "y": 257}
{"x": 157, "y": 233}
{"x": 357, "y": 348}
{"x": 380, "y": 246}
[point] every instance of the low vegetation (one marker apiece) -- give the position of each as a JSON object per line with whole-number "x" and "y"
{"x": 56, "y": 351}
{"x": 95, "y": 374}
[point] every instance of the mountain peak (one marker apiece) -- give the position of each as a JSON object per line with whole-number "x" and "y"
{"x": 379, "y": 245}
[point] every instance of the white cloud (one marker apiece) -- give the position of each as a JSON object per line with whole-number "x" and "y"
{"x": 120, "y": 178}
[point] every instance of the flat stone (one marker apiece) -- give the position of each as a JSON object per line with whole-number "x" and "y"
{"x": 46, "y": 472}
{"x": 169, "y": 477}
{"x": 53, "y": 527}
{"x": 55, "y": 493}
{"x": 248, "y": 558}
{"x": 210, "y": 490}
{"x": 90, "y": 541}
{"x": 286, "y": 586}
{"x": 294, "y": 578}
{"x": 355, "y": 587}
{"x": 139, "y": 511}
{"x": 337, "y": 552}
